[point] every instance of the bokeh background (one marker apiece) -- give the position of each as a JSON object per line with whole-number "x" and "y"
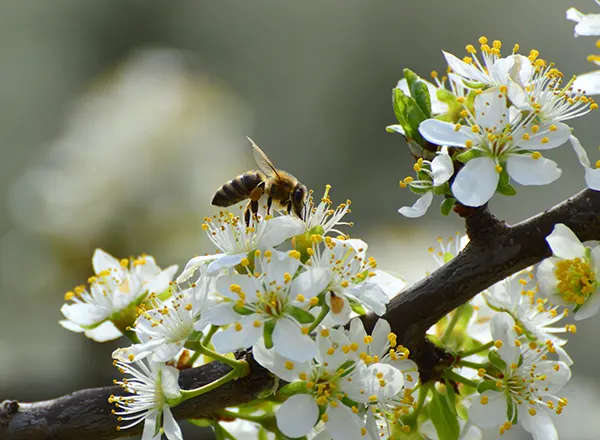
{"x": 118, "y": 120}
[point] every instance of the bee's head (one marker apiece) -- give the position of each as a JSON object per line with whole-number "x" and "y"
{"x": 297, "y": 199}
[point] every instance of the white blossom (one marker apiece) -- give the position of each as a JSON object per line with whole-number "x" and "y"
{"x": 150, "y": 387}
{"x": 116, "y": 286}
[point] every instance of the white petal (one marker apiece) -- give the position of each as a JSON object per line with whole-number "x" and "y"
{"x": 463, "y": 69}
{"x": 369, "y": 293}
{"x": 589, "y": 308}
{"x": 221, "y": 314}
{"x": 540, "y": 426}
{"x": 248, "y": 286}
{"x": 592, "y": 178}
{"x": 104, "y": 261}
{"x": 526, "y": 170}
{"x": 192, "y": 266}
{"x": 170, "y": 381}
{"x": 172, "y": 429}
{"x": 476, "y": 183}
{"x": 564, "y": 243}
{"x": 291, "y": 343}
{"x": 277, "y": 364}
{"x": 230, "y": 339}
{"x": 343, "y": 424}
{"x": 445, "y": 133}
{"x": 150, "y": 426}
{"x": 160, "y": 282}
{"x": 580, "y": 152}
{"x": 224, "y": 261}
{"x": 491, "y": 414}
{"x": 341, "y": 312}
{"x": 545, "y": 138}
{"x": 104, "y": 332}
{"x": 297, "y": 416}
{"x": 419, "y": 208}
{"x": 84, "y": 314}
{"x": 390, "y": 284}
{"x": 558, "y": 374}
{"x": 281, "y": 228}
{"x": 397, "y": 128}
{"x": 442, "y": 168}
{"x": 502, "y": 326}
{"x": 310, "y": 283}
{"x": 588, "y": 83}
{"x": 546, "y": 277}
{"x": 587, "y": 24}
{"x": 491, "y": 112}
{"x": 71, "y": 326}
{"x": 380, "y": 335}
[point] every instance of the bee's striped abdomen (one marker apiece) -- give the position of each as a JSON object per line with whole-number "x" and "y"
{"x": 237, "y": 189}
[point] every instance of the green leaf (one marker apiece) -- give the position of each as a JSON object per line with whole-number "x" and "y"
{"x": 442, "y": 189}
{"x": 302, "y": 316}
{"x": 443, "y": 417}
{"x": 497, "y": 361}
{"x": 409, "y": 115}
{"x": 504, "y": 187}
{"x": 465, "y": 312}
{"x": 487, "y": 385}
{"x": 268, "y": 333}
{"x": 447, "y": 205}
{"x": 467, "y": 155}
{"x": 450, "y": 396}
{"x": 357, "y": 307}
{"x": 346, "y": 367}
{"x": 419, "y": 92}
{"x": 294, "y": 388}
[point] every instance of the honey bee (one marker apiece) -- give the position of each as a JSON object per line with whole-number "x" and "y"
{"x": 282, "y": 188}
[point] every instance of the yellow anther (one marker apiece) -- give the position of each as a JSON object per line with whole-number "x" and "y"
{"x": 289, "y": 365}
{"x": 498, "y": 168}
{"x": 545, "y": 140}
{"x": 294, "y": 254}
{"x": 238, "y": 327}
{"x": 483, "y": 40}
{"x": 484, "y": 400}
{"x": 536, "y": 155}
{"x": 235, "y": 288}
{"x": 498, "y": 344}
{"x": 470, "y": 49}
{"x": 535, "y": 128}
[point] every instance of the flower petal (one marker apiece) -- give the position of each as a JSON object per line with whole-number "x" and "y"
{"x": 502, "y": 326}
{"x": 547, "y": 136}
{"x": 419, "y": 208}
{"x": 589, "y": 308}
{"x": 476, "y": 183}
{"x": 84, "y": 314}
{"x": 230, "y": 339}
{"x": 291, "y": 343}
{"x": 150, "y": 426}
{"x": 102, "y": 261}
{"x": 221, "y": 314}
{"x": 224, "y": 261}
{"x": 463, "y": 69}
{"x": 279, "y": 229}
{"x": 526, "y": 170}
{"x": 297, "y": 416}
{"x": 442, "y": 167}
{"x": 540, "y": 426}
{"x": 170, "y": 426}
{"x": 247, "y": 284}
{"x": 277, "y": 364}
{"x": 490, "y": 415}
{"x": 310, "y": 283}
{"x": 587, "y": 24}
{"x": 343, "y": 424}
{"x": 588, "y": 83}
{"x": 445, "y": 133}
{"x": 193, "y": 265}
{"x": 491, "y": 111}
{"x": 564, "y": 243}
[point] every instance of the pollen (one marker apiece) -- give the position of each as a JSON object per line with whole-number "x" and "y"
{"x": 545, "y": 140}
{"x": 238, "y": 327}
{"x": 535, "y": 128}
{"x": 498, "y": 168}
{"x": 368, "y": 339}
{"x": 325, "y": 332}
{"x": 470, "y": 48}
{"x": 536, "y": 155}
{"x": 289, "y": 365}
{"x": 294, "y": 254}
{"x": 498, "y": 344}
{"x": 304, "y": 330}
{"x": 235, "y": 288}
{"x": 484, "y": 400}
{"x": 314, "y": 301}
{"x": 576, "y": 280}
{"x": 405, "y": 429}
{"x": 257, "y": 323}
{"x": 457, "y": 127}
{"x": 245, "y": 262}
{"x": 468, "y": 143}
{"x": 475, "y": 129}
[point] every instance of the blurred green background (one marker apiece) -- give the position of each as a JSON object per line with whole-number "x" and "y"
{"x": 118, "y": 120}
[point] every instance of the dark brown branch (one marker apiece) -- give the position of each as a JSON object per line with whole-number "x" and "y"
{"x": 495, "y": 252}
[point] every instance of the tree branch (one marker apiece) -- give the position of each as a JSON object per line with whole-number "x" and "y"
{"x": 494, "y": 252}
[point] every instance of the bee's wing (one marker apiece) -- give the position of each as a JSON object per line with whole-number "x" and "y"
{"x": 263, "y": 162}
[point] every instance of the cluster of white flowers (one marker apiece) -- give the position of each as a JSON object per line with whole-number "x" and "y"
{"x": 293, "y": 290}
{"x": 490, "y": 126}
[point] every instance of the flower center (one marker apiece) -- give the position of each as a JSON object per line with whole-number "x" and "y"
{"x": 576, "y": 281}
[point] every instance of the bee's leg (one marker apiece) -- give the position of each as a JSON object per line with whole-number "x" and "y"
{"x": 269, "y": 204}
{"x": 289, "y": 207}
{"x": 247, "y": 214}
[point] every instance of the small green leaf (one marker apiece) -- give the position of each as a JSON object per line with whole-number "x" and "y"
{"x": 357, "y": 307}
{"x": 497, "y": 361}
{"x": 346, "y": 367}
{"x": 443, "y": 418}
{"x": 467, "y": 155}
{"x": 465, "y": 312}
{"x": 294, "y": 388}
{"x": 447, "y": 205}
{"x": 418, "y": 90}
{"x": 442, "y": 189}
{"x": 504, "y": 187}
{"x": 487, "y": 385}
{"x": 242, "y": 310}
{"x": 409, "y": 115}
{"x": 450, "y": 395}
{"x": 268, "y": 333}
{"x": 302, "y": 316}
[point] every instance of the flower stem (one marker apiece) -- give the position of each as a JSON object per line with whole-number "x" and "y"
{"x": 190, "y": 394}
{"x": 206, "y": 340}
{"x": 475, "y": 350}
{"x": 452, "y": 375}
{"x": 448, "y": 331}
{"x": 240, "y": 367}
{"x": 473, "y": 365}
{"x": 193, "y": 358}
{"x": 320, "y": 317}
